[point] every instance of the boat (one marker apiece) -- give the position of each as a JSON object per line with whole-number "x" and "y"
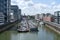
{"x": 23, "y": 29}
{"x": 33, "y": 29}
{"x": 41, "y": 23}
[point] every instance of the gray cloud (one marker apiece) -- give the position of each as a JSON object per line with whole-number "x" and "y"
{"x": 26, "y": 0}
{"x": 30, "y": 4}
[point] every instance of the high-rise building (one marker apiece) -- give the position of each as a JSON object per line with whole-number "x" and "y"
{"x": 19, "y": 14}
{"x": 1, "y": 18}
{"x": 16, "y": 11}
{"x": 5, "y": 8}
{"x": 11, "y": 16}
{"x": 57, "y": 17}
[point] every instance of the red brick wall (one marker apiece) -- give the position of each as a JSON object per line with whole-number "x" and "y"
{"x": 47, "y": 18}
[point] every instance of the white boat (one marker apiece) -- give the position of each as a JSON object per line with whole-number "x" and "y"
{"x": 23, "y": 29}
{"x": 41, "y": 23}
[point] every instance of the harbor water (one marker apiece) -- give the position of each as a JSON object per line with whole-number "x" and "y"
{"x": 44, "y": 33}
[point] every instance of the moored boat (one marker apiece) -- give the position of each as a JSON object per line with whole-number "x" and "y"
{"x": 41, "y": 23}
{"x": 22, "y": 29}
{"x": 34, "y": 29}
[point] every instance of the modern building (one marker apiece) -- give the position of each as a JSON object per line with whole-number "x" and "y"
{"x": 5, "y": 8}
{"x": 19, "y": 14}
{"x": 1, "y": 18}
{"x": 11, "y": 16}
{"x": 16, "y": 11}
{"x": 57, "y": 17}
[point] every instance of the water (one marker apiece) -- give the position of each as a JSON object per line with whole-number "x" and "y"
{"x": 43, "y": 34}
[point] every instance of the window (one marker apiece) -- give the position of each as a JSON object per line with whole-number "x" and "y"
{"x": 59, "y": 13}
{"x": 55, "y": 14}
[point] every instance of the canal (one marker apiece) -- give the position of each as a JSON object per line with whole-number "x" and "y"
{"x": 43, "y": 34}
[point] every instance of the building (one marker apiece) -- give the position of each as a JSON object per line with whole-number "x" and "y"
{"x": 48, "y": 17}
{"x": 1, "y": 18}
{"x": 11, "y": 16}
{"x": 16, "y": 11}
{"x": 37, "y": 17}
{"x": 19, "y": 14}
{"x": 5, "y": 9}
{"x": 41, "y": 16}
{"x": 57, "y": 17}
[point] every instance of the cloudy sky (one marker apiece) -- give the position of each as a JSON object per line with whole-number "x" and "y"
{"x": 32, "y": 7}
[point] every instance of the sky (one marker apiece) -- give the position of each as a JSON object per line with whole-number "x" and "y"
{"x": 32, "y": 7}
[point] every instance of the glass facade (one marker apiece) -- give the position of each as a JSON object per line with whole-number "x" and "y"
{"x": 1, "y": 18}
{"x": 15, "y": 9}
{"x": 5, "y": 8}
{"x": 57, "y": 17}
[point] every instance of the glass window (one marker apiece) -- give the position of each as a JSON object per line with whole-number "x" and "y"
{"x": 55, "y": 14}
{"x": 59, "y": 13}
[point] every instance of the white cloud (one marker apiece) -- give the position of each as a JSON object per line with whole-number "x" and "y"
{"x": 30, "y": 8}
{"x": 56, "y": 7}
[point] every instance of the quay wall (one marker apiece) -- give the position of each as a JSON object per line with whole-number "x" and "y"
{"x": 5, "y": 27}
{"x": 53, "y": 26}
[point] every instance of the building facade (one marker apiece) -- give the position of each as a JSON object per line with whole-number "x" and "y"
{"x": 41, "y": 16}
{"x": 11, "y": 16}
{"x": 37, "y": 17}
{"x": 48, "y": 17}
{"x": 57, "y": 17}
{"x": 19, "y": 14}
{"x": 5, "y": 8}
{"x": 16, "y": 11}
{"x": 1, "y": 18}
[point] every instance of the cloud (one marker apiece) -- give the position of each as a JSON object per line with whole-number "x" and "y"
{"x": 56, "y": 7}
{"x": 13, "y": 2}
{"x": 29, "y": 7}
{"x": 26, "y": 0}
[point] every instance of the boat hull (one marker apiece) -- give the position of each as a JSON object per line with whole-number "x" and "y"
{"x": 23, "y": 31}
{"x": 34, "y": 29}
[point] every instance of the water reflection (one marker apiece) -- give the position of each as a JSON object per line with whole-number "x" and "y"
{"x": 5, "y": 36}
{"x": 27, "y": 36}
{"x": 43, "y": 34}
